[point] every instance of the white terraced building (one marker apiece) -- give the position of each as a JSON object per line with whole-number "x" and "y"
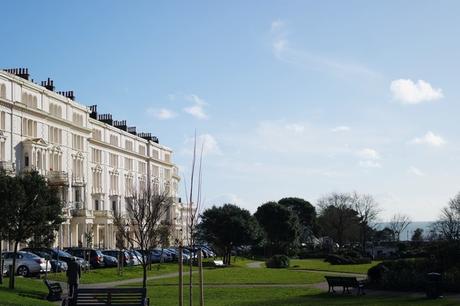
{"x": 94, "y": 161}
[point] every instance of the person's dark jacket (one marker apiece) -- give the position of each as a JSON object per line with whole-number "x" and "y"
{"x": 73, "y": 273}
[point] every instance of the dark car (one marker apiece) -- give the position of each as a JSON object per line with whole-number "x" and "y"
{"x": 57, "y": 254}
{"x": 117, "y": 253}
{"x": 96, "y": 258}
{"x": 110, "y": 261}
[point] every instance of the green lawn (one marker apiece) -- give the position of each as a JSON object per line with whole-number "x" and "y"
{"x": 321, "y": 265}
{"x": 111, "y": 274}
{"x": 242, "y": 275}
{"x": 237, "y": 286}
{"x": 28, "y": 292}
{"x": 168, "y": 296}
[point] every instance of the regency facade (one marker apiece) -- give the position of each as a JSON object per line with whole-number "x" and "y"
{"x": 96, "y": 162}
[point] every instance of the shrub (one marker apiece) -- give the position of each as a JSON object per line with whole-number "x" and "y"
{"x": 335, "y": 259}
{"x": 277, "y": 261}
{"x": 402, "y": 274}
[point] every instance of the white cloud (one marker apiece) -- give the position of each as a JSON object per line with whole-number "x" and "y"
{"x": 162, "y": 113}
{"x": 226, "y": 198}
{"x": 341, "y": 128}
{"x": 205, "y": 141}
{"x": 430, "y": 139}
{"x": 369, "y": 154}
{"x": 283, "y": 51}
{"x": 369, "y": 164}
{"x": 369, "y": 158}
{"x": 409, "y": 92}
{"x": 197, "y": 109}
{"x": 277, "y": 25}
{"x": 416, "y": 171}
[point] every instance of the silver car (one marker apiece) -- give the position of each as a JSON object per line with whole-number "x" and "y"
{"x": 26, "y": 263}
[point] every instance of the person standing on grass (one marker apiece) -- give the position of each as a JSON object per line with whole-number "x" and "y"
{"x": 73, "y": 276}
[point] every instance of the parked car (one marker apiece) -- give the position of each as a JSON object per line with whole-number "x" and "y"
{"x": 208, "y": 253}
{"x": 174, "y": 254}
{"x": 136, "y": 257}
{"x": 116, "y": 254}
{"x": 57, "y": 265}
{"x": 185, "y": 256}
{"x": 96, "y": 258}
{"x": 26, "y": 263}
{"x": 110, "y": 261}
{"x": 58, "y": 255}
{"x": 167, "y": 256}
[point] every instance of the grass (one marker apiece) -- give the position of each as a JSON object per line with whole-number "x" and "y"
{"x": 168, "y": 296}
{"x": 253, "y": 287}
{"x": 27, "y": 292}
{"x": 241, "y": 275}
{"x": 321, "y": 265}
{"x": 231, "y": 286}
{"x": 111, "y": 274}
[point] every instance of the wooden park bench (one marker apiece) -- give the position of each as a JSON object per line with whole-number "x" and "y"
{"x": 110, "y": 296}
{"x": 55, "y": 291}
{"x": 346, "y": 283}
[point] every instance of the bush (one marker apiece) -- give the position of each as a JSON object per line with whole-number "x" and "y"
{"x": 402, "y": 274}
{"x": 335, "y": 259}
{"x": 278, "y": 261}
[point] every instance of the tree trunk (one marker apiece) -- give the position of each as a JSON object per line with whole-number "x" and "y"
{"x": 1, "y": 262}
{"x": 181, "y": 277}
{"x": 13, "y": 272}
{"x": 200, "y": 267}
{"x": 190, "y": 285}
{"x": 144, "y": 276}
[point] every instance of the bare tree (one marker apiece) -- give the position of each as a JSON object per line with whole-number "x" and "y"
{"x": 398, "y": 224}
{"x": 141, "y": 223}
{"x": 194, "y": 203}
{"x": 337, "y": 217}
{"x": 368, "y": 211}
{"x": 448, "y": 225}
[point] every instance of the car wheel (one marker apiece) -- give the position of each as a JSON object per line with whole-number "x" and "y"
{"x": 23, "y": 271}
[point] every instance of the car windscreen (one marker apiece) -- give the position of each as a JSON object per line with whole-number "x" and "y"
{"x": 62, "y": 253}
{"x": 28, "y": 255}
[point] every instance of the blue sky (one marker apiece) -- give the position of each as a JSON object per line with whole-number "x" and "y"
{"x": 292, "y": 98}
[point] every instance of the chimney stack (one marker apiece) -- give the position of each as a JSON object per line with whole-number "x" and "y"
{"x": 121, "y": 125}
{"x": 93, "y": 109}
{"x": 132, "y": 130}
{"x": 48, "y": 84}
{"x": 106, "y": 118}
{"x": 68, "y": 94}
{"x": 20, "y": 72}
{"x": 148, "y": 136}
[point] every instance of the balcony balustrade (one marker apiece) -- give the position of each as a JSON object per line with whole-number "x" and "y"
{"x": 78, "y": 181}
{"x": 7, "y": 166}
{"x": 103, "y": 214}
{"x": 58, "y": 178}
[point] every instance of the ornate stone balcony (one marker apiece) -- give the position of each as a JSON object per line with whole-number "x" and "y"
{"x": 96, "y": 190}
{"x": 7, "y": 166}
{"x": 78, "y": 181}
{"x": 78, "y": 210}
{"x": 58, "y": 178}
{"x": 103, "y": 214}
{"x": 113, "y": 192}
